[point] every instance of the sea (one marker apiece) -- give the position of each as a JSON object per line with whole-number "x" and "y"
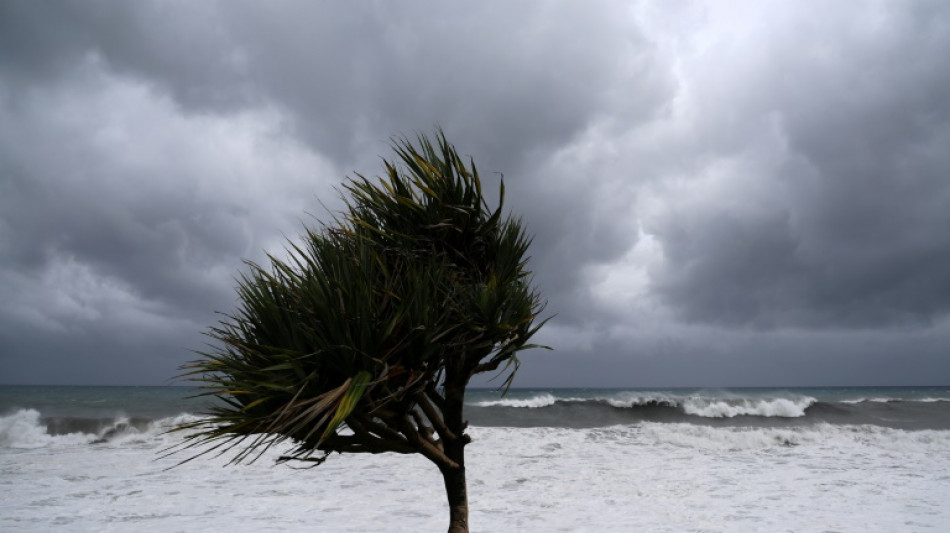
{"x": 868, "y": 459}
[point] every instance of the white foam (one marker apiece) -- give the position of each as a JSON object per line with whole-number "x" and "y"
{"x": 24, "y": 430}
{"x": 656, "y": 477}
{"x": 894, "y": 399}
{"x": 699, "y": 405}
{"x": 631, "y": 399}
{"x": 728, "y": 408}
{"x": 534, "y": 402}
{"x": 718, "y": 407}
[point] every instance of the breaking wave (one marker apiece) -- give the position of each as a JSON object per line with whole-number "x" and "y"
{"x": 895, "y": 400}
{"x": 27, "y": 429}
{"x": 541, "y": 400}
{"x": 701, "y": 406}
{"x": 717, "y": 407}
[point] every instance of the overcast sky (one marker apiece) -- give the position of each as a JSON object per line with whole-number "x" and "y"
{"x": 721, "y": 193}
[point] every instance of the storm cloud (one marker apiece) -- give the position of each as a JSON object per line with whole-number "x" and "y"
{"x": 726, "y": 193}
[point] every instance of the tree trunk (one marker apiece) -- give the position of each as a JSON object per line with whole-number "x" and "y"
{"x": 455, "y": 491}
{"x": 454, "y": 448}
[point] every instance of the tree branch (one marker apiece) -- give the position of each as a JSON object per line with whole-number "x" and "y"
{"x": 427, "y": 448}
{"x": 361, "y": 444}
{"x": 425, "y": 430}
{"x": 487, "y": 367}
{"x": 491, "y": 365}
{"x": 380, "y": 429}
{"x": 435, "y": 417}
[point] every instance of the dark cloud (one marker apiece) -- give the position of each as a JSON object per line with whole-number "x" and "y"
{"x": 186, "y": 51}
{"x": 850, "y": 232}
{"x": 729, "y": 192}
{"x": 699, "y": 356}
{"x": 124, "y": 219}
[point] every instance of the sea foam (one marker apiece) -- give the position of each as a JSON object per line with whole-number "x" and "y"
{"x": 25, "y": 429}
{"x": 894, "y": 400}
{"x": 728, "y": 408}
{"x": 658, "y": 477}
{"x": 541, "y": 400}
{"x": 695, "y": 405}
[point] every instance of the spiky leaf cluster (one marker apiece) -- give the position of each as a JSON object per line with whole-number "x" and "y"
{"x": 349, "y": 344}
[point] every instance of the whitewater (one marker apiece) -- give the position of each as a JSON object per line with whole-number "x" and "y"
{"x": 784, "y": 468}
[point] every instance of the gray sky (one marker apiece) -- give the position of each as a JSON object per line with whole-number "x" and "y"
{"x": 721, "y": 193}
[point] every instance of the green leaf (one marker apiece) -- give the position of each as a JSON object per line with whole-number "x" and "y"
{"x": 348, "y": 402}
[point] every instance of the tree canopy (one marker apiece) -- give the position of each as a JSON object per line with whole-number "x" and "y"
{"x": 365, "y": 337}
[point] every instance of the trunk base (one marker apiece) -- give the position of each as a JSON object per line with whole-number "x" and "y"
{"x": 457, "y": 495}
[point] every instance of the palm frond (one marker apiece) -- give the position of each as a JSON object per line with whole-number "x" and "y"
{"x": 418, "y": 283}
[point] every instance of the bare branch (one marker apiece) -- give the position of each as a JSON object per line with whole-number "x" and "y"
{"x": 435, "y": 417}
{"x": 427, "y": 448}
{"x": 379, "y": 428}
{"x": 490, "y": 366}
{"x": 365, "y": 443}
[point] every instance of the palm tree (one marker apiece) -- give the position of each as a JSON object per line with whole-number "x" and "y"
{"x": 364, "y": 340}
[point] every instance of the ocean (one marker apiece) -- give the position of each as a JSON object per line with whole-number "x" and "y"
{"x": 88, "y": 459}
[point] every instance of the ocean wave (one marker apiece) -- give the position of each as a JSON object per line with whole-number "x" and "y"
{"x": 895, "y": 400}
{"x": 663, "y": 437}
{"x": 696, "y": 405}
{"x": 856, "y": 401}
{"x": 27, "y": 429}
{"x": 672, "y": 477}
{"x": 729, "y": 408}
{"x": 748, "y": 438}
{"x": 541, "y": 400}
{"x": 23, "y": 430}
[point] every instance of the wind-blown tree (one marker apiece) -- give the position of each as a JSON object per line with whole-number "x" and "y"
{"x": 365, "y": 339}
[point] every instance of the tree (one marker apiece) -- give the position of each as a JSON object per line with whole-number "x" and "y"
{"x": 365, "y": 339}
